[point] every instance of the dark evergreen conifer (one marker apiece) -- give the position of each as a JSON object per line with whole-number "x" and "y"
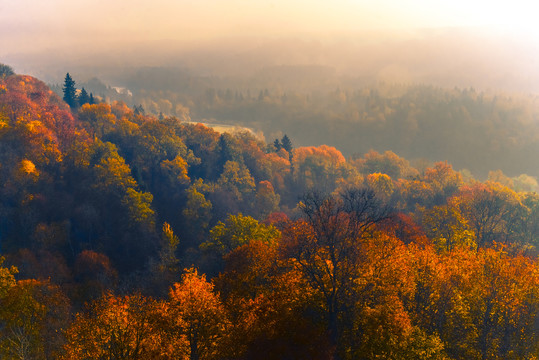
{"x": 70, "y": 92}
{"x": 83, "y": 97}
{"x": 6, "y": 70}
{"x": 286, "y": 143}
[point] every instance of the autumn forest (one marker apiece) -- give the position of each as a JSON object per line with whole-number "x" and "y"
{"x": 131, "y": 228}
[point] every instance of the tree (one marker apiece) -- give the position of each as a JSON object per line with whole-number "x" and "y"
{"x": 287, "y": 145}
{"x": 238, "y": 230}
{"x": 327, "y": 247}
{"x": 444, "y": 181}
{"x": 70, "y": 92}
{"x": 381, "y": 184}
{"x": 492, "y": 210}
{"x": 138, "y": 204}
{"x": 388, "y": 163}
{"x": 197, "y": 314}
{"x": 236, "y": 180}
{"x": 83, "y": 98}
{"x": 98, "y": 119}
{"x": 32, "y": 314}
{"x": 447, "y": 226}
{"x": 197, "y": 209}
{"x": 277, "y": 145}
{"x": 6, "y": 70}
{"x": 266, "y": 200}
{"x": 121, "y": 328}
{"x": 175, "y": 170}
{"x": 269, "y": 306}
{"x": 7, "y": 277}
{"x": 482, "y": 303}
{"x": 228, "y": 150}
{"x": 530, "y": 236}
{"x": 166, "y": 267}
{"x": 504, "y": 306}
{"x": 126, "y": 211}
{"x": 318, "y": 167}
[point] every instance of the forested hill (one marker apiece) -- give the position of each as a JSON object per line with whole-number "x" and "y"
{"x": 184, "y": 242}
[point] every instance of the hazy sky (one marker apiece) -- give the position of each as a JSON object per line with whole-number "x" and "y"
{"x": 38, "y": 24}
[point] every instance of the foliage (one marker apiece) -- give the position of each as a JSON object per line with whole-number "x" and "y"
{"x": 387, "y": 163}
{"x": 6, "y": 70}
{"x": 33, "y": 313}
{"x": 328, "y": 245}
{"x": 447, "y": 227}
{"x": 116, "y": 328}
{"x": 198, "y": 315}
{"x": 238, "y": 230}
{"x": 379, "y": 259}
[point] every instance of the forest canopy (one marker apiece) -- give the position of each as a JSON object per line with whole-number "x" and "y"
{"x": 133, "y": 234}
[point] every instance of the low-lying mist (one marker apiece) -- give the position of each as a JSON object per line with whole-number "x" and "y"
{"x": 443, "y": 57}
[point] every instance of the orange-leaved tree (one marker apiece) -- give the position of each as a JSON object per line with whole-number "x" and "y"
{"x": 327, "y": 248}
{"x": 119, "y": 327}
{"x": 196, "y": 314}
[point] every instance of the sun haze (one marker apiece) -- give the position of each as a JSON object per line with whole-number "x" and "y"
{"x": 31, "y": 24}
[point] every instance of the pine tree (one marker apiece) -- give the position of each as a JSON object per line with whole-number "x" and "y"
{"x": 6, "y": 70}
{"x": 70, "y": 92}
{"x": 286, "y": 143}
{"x": 83, "y": 97}
{"x": 277, "y": 145}
{"x": 91, "y": 100}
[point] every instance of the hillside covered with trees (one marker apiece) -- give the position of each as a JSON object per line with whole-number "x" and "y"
{"x": 126, "y": 235}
